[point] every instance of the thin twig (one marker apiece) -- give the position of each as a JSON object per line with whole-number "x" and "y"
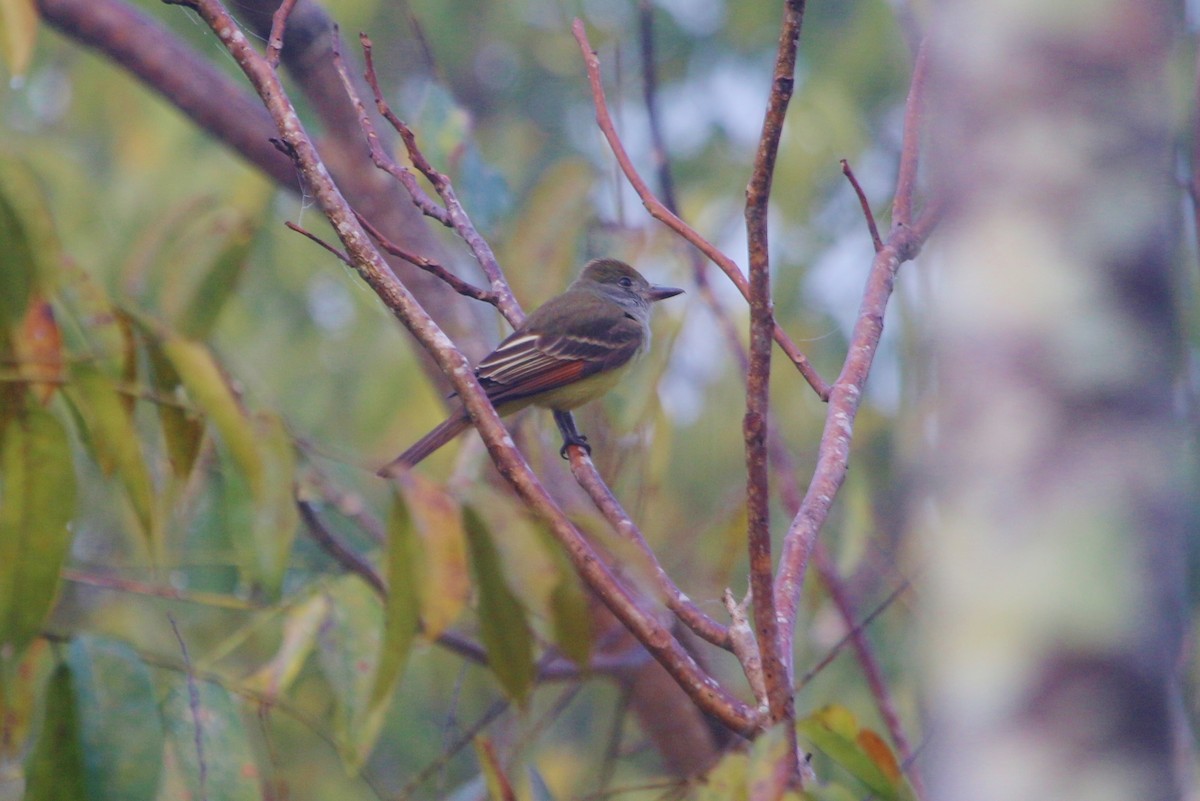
{"x": 341, "y": 552}
{"x": 379, "y": 154}
{"x": 866, "y": 206}
{"x": 428, "y": 265}
{"x": 857, "y": 628}
{"x": 906, "y": 180}
{"x": 459, "y": 220}
{"x": 197, "y": 716}
{"x": 585, "y": 474}
{"x": 275, "y": 40}
{"x": 664, "y": 215}
{"x": 340, "y": 254}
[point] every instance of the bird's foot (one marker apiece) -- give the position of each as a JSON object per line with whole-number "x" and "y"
{"x": 576, "y": 439}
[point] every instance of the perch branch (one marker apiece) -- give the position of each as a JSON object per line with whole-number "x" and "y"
{"x": 704, "y": 690}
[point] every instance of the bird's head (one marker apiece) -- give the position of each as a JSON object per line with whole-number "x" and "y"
{"x": 620, "y": 280}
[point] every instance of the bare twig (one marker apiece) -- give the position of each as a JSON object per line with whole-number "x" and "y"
{"x": 833, "y": 455}
{"x": 275, "y": 40}
{"x": 866, "y": 206}
{"x": 754, "y": 426}
{"x": 342, "y": 553}
{"x": 341, "y": 256}
{"x": 664, "y": 215}
{"x": 703, "y": 689}
{"x": 857, "y": 628}
{"x": 197, "y": 714}
{"x": 379, "y": 154}
{"x": 906, "y": 181}
{"x": 429, "y": 265}
{"x": 585, "y": 473}
{"x": 745, "y": 646}
{"x": 459, "y": 221}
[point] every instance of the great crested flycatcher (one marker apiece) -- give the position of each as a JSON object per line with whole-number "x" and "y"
{"x": 571, "y": 350}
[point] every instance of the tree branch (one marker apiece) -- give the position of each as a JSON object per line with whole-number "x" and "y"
{"x": 664, "y": 215}
{"x": 707, "y": 693}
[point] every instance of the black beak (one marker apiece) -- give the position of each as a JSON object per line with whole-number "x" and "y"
{"x": 658, "y": 293}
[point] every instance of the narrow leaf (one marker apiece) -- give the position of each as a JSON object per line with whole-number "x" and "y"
{"x": 835, "y": 732}
{"x": 114, "y": 440}
{"x": 18, "y": 26}
{"x": 300, "y": 627}
{"x": 198, "y": 371}
{"x": 219, "y": 282}
{"x": 503, "y": 626}
{"x": 439, "y": 554}
{"x": 54, "y": 771}
{"x": 401, "y": 613}
{"x": 120, "y": 728}
{"x": 31, "y": 254}
{"x": 183, "y": 430}
{"x": 348, "y": 653}
{"x": 37, "y": 500}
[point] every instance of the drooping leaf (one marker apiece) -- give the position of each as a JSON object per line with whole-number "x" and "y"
{"x": 206, "y": 385}
{"x": 439, "y": 553}
{"x": 275, "y": 516}
{"x": 114, "y": 441}
{"x": 834, "y": 730}
{"x": 37, "y": 501}
{"x": 570, "y": 615}
{"x": 727, "y": 780}
{"x": 209, "y": 731}
{"x": 38, "y": 348}
{"x": 183, "y": 430}
{"x": 54, "y": 770}
{"x": 218, "y": 282}
{"x": 18, "y": 33}
{"x": 348, "y": 653}
{"x": 119, "y": 724}
{"x": 300, "y": 627}
{"x": 402, "y": 611}
{"x": 502, "y": 623}
{"x": 31, "y": 255}
{"x": 23, "y": 685}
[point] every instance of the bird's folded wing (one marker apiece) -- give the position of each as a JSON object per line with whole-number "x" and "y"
{"x": 528, "y": 363}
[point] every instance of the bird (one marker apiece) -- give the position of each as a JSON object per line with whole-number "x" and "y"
{"x": 571, "y": 350}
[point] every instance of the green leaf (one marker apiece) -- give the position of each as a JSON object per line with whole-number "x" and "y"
{"x": 861, "y": 752}
{"x": 499, "y": 788}
{"x": 120, "y": 727}
{"x": 276, "y": 518}
{"x": 114, "y": 441}
{"x": 229, "y": 770}
{"x": 727, "y": 780}
{"x": 24, "y": 679}
{"x": 348, "y": 653}
{"x": 54, "y": 771}
{"x": 439, "y": 551}
{"x": 37, "y": 500}
{"x": 219, "y": 281}
{"x": 570, "y": 614}
{"x": 205, "y": 383}
{"x": 503, "y": 626}
{"x": 183, "y": 430}
{"x": 31, "y": 254}
{"x": 401, "y": 612}
{"x": 300, "y": 627}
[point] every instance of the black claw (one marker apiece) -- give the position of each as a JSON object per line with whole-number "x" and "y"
{"x": 570, "y": 434}
{"x": 578, "y": 439}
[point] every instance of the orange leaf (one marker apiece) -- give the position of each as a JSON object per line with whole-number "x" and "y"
{"x": 874, "y": 747}
{"x": 39, "y": 350}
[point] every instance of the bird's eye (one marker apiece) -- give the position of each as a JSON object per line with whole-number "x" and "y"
{"x": 626, "y": 281}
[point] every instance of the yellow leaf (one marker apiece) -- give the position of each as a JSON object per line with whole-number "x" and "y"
{"x": 443, "y": 581}
{"x": 18, "y": 24}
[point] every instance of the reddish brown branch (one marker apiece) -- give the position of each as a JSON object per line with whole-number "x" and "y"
{"x": 278, "y": 23}
{"x": 429, "y": 265}
{"x": 683, "y": 607}
{"x": 379, "y": 154}
{"x": 459, "y": 220}
{"x": 703, "y": 689}
{"x": 341, "y": 256}
{"x": 906, "y": 181}
{"x": 771, "y": 641}
{"x": 668, "y": 218}
{"x": 866, "y": 206}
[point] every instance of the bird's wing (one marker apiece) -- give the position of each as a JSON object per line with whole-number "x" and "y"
{"x": 589, "y": 337}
